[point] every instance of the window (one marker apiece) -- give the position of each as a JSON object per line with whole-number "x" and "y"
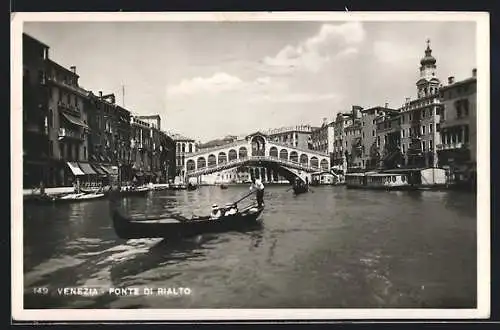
{"x": 430, "y": 145}
{"x": 84, "y": 153}
{"x": 466, "y": 107}
{"x": 466, "y": 134}
{"x": 403, "y": 133}
{"x": 423, "y": 129}
{"x": 403, "y": 148}
{"x": 363, "y": 135}
{"x": 378, "y": 141}
{"x": 409, "y": 115}
{"x": 438, "y": 127}
{"x": 430, "y": 128}
{"x": 373, "y": 132}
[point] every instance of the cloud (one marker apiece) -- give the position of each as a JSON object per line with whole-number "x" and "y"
{"x": 219, "y": 82}
{"x": 332, "y": 41}
{"x": 394, "y": 54}
{"x": 261, "y": 89}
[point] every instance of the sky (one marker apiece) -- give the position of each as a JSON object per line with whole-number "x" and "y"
{"x": 210, "y": 79}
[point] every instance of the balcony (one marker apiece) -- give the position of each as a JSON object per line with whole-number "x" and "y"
{"x": 66, "y": 133}
{"x": 71, "y": 109}
{"x": 451, "y": 146}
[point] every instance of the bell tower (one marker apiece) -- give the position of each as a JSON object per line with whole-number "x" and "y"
{"x": 428, "y": 83}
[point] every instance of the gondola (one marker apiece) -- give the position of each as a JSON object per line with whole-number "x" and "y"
{"x": 191, "y": 186}
{"x": 300, "y": 189}
{"x": 223, "y": 186}
{"x": 175, "y": 226}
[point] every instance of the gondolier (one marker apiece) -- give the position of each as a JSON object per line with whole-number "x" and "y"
{"x": 258, "y": 186}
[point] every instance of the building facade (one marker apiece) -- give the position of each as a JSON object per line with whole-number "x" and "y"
{"x": 457, "y": 147}
{"x": 323, "y": 138}
{"x": 296, "y": 136}
{"x": 36, "y": 154}
{"x": 342, "y": 121}
{"x": 371, "y": 152}
{"x": 388, "y": 140}
{"x": 67, "y": 125}
{"x": 183, "y": 146}
{"x": 420, "y": 117}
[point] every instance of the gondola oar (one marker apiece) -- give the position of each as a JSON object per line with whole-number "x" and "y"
{"x": 242, "y": 198}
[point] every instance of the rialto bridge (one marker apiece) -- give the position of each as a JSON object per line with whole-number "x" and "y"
{"x": 267, "y": 158}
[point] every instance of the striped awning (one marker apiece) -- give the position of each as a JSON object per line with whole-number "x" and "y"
{"x": 98, "y": 169}
{"x": 87, "y": 169}
{"x": 75, "y": 169}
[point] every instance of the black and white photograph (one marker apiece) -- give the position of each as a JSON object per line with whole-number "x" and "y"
{"x": 239, "y": 166}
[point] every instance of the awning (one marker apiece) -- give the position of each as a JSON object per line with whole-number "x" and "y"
{"x": 98, "y": 169}
{"x": 75, "y": 169}
{"x": 75, "y": 120}
{"x": 87, "y": 169}
{"x": 108, "y": 169}
{"x": 105, "y": 169}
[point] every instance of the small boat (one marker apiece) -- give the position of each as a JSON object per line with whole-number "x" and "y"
{"x": 174, "y": 226}
{"x": 300, "y": 189}
{"x": 191, "y": 186}
{"x": 223, "y": 186}
{"x": 76, "y": 197}
{"x": 92, "y": 190}
{"x": 178, "y": 186}
{"x": 133, "y": 191}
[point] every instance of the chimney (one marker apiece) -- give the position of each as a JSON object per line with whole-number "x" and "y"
{"x": 100, "y": 94}
{"x": 73, "y": 69}
{"x": 451, "y": 80}
{"x": 474, "y": 72}
{"x": 407, "y": 100}
{"x": 386, "y": 105}
{"x": 324, "y": 120}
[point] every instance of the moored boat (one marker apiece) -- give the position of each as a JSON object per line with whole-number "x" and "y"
{"x": 133, "y": 191}
{"x": 398, "y": 179}
{"x": 191, "y": 186}
{"x": 223, "y": 186}
{"x": 77, "y": 197}
{"x": 174, "y": 226}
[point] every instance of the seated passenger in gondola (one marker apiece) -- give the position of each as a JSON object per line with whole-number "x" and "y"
{"x": 216, "y": 213}
{"x": 231, "y": 209}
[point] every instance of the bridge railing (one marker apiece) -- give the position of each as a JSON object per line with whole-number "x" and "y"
{"x": 237, "y": 143}
{"x": 234, "y": 162}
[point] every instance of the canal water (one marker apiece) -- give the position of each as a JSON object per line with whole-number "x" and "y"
{"x": 330, "y": 248}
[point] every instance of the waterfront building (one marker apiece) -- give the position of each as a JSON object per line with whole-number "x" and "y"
{"x": 109, "y": 138}
{"x": 295, "y": 136}
{"x": 36, "y": 153}
{"x": 183, "y": 146}
{"x": 388, "y": 139}
{"x": 352, "y": 136}
{"x": 420, "y": 117}
{"x": 141, "y": 142}
{"x": 167, "y": 157}
{"x": 371, "y": 152}
{"x": 323, "y": 138}
{"x": 67, "y": 126}
{"x": 457, "y": 147}
{"x": 342, "y": 120}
